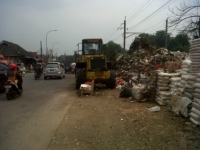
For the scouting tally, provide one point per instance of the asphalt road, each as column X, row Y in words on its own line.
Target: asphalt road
column 30, row 121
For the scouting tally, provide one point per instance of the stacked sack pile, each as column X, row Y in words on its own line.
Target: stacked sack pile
column 195, row 71
column 163, row 95
column 174, row 85
column 178, row 100
column 188, row 88
column 185, row 68
column 152, row 85
column 195, row 111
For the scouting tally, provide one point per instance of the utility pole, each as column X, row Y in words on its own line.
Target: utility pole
column 166, row 33
column 41, row 48
column 124, row 46
column 125, row 34
column 131, row 33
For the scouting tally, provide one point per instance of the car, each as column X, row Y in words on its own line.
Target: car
column 54, row 70
column 3, row 75
column 67, row 69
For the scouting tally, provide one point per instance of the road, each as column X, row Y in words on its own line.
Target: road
column 30, row 121
column 50, row 116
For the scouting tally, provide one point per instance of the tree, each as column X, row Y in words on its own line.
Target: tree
column 160, row 38
column 179, row 43
column 112, row 50
column 150, row 37
column 157, row 39
column 187, row 16
column 67, row 58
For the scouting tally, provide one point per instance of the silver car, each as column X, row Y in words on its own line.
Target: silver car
column 54, row 70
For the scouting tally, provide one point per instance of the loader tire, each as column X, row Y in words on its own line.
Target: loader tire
column 79, row 78
column 111, row 83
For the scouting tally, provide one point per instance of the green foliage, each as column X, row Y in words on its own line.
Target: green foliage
column 112, row 50
column 178, row 43
column 66, row 58
column 160, row 38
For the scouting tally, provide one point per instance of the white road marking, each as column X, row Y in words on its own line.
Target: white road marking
column 39, row 83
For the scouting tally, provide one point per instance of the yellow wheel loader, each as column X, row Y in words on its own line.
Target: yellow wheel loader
column 92, row 64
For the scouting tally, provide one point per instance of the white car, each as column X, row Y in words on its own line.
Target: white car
column 54, row 70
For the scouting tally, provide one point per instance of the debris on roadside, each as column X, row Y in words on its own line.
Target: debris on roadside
column 171, row 78
column 154, row 109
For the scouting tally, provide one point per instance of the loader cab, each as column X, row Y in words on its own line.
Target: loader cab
column 92, row 46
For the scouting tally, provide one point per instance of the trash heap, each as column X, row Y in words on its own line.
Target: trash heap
column 170, row 80
column 144, row 58
column 142, row 63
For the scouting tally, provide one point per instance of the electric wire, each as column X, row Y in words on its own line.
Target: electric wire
column 113, row 32
column 147, row 18
column 152, row 14
column 139, row 12
column 136, row 8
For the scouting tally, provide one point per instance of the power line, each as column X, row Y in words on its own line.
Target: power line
column 110, row 35
column 144, row 20
column 163, row 26
column 140, row 11
column 113, row 32
column 154, row 25
column 136, row 8
column 151, row 15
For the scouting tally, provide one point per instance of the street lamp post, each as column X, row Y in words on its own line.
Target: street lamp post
column 55, row 52
column 46, row 40
column 52, row 48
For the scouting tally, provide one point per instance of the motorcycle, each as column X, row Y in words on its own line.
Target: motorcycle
column 12, row 89
column 37, row 75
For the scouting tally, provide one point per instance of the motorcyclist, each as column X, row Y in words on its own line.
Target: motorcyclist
column 18, row 75
column 38, row 69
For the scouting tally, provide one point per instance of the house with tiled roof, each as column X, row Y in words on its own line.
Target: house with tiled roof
column 16, row 53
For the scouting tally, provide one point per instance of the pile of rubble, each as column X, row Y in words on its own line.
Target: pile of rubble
column 167, row 78
column 145, row 61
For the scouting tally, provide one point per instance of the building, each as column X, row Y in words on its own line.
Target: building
column 14, row 53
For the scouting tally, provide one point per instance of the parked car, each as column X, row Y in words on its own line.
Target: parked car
column 3, row 75
column 54, row 70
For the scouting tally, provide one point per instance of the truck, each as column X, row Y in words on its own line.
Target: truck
column 92, row 64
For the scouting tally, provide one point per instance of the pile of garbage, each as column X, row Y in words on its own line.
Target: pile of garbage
column 146, row 61
column 167, row 78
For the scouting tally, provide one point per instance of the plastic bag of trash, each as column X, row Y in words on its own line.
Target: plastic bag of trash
column 126, row 92
column 184, row 102
column 86, row 87
column 154, row 109
column 139, row 92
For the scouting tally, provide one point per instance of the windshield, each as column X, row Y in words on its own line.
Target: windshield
column 52, row 65
column 91, row 48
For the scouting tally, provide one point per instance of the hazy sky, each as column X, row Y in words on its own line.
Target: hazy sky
column 26, row 22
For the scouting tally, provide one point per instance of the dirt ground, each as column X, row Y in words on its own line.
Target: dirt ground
column 106, row 122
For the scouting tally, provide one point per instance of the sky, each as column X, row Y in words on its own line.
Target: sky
column 31, row 22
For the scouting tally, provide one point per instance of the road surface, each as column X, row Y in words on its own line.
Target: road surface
column 29, row 122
